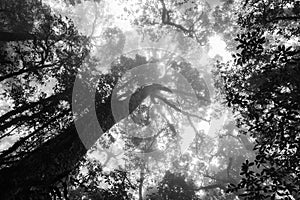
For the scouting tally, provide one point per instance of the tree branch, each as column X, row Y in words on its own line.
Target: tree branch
column 178, row 109
column 288, row 18
column 166, row 19
column 214, row 186
column 22, row 140
column 190, row 94
column 95, row 20
column 22, row 71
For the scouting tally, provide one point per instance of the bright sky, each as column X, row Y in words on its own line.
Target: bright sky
column 216, row 43
column 218, row 47
column 117, row 10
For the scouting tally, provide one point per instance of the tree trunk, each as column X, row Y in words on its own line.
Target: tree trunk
column 54, row 159
column 43, row 167
column 142, row 177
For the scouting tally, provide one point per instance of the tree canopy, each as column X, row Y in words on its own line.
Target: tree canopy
column 92, row 109
column 262, row 88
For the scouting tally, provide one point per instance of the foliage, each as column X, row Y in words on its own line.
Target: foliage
column 262, row 88
column 165, row 132
column 196, row 19
column 174, row 186
column 36, row 82
column 26, row 67
column 41, row 54
column 49, row 151
column 91, row 182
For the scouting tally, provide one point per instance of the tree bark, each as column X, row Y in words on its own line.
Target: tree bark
column 53, row 160
column 43, row 167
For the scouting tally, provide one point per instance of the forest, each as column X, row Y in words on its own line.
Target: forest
column 149, row 99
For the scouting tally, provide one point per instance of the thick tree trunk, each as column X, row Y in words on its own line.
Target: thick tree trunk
column 43, row 167
column 55, row 158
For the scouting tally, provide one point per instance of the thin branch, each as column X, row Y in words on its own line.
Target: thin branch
column 8, row 133
column 166, row 19
column 95, row 20
column 229, row 167
column 189, row 94
column 22, row 140
column 178, row 109
column 131, row 185
column 245, row 141
column 217, row 179
column 192, row 124
column 25, row 107
column 214, row 186
column 142, row 178
column 22, row 71
column 289, row 18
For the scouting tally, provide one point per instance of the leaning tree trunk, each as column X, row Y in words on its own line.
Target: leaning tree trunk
column 43, row 167
column 50, row 162
column 56, row 158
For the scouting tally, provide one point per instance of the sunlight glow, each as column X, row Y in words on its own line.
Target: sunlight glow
column 217, row 46
column 117, row 11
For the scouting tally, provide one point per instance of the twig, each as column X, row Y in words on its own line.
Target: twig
column 178, row 109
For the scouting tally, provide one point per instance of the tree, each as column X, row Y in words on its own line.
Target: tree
column 38, row 108
column 188, row 17
column 229, row 153
column 41, row 118
column 78, row 2
column 174, row 186
column 93, row 20
column 262, row 87
column 49, row 147
column 89, row 181
column 215, row 162
column 163, row 131
column 195, row 19
column 17, row 22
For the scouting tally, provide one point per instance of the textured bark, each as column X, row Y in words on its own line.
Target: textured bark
column 55, row 158
column 43, row 167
